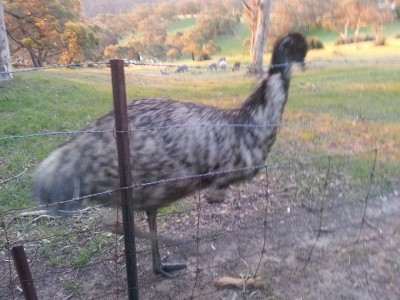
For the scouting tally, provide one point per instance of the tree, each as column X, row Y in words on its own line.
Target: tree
column 346, row 15
column 210, row 48
column 81, row 43
column 193, row 42
column 152, row 30
column 109, row 29
column 343, row 15
column 37, row 27
column 166, row 10
column 212, row 25
column 376, row 18
column 173, row 53
column 188, row 7
column 153, row 36
column 5, row 61
column 141, row 12
column 111, row 51
column 285, row 19
column 257, row 13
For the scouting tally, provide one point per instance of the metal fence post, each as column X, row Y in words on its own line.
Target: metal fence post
column 122, row 135
column 24, row 273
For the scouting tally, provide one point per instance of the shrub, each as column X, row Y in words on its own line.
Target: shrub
column 351, row 40
column 381, row 41
column 204, row 56
column 173, row 53
column 315, row 43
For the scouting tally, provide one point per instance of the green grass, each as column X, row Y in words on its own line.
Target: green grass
column 39, row 103
column 173, row 209
column 232, row 45
column 181, row 24
column 83, row 255
column 73, row 287
column 369, row 91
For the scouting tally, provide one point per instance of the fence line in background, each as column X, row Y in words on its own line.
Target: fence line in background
column 308, row 63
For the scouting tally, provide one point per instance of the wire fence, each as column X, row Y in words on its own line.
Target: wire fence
column 320, row 219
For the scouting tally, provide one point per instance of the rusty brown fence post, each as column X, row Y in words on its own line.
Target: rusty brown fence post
column 24, row 273
column 122, row 136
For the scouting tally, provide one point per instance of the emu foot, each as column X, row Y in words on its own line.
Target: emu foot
column 165, row 269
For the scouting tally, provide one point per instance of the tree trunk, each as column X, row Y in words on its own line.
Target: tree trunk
column 346, row 31
column 36, row 60
column 5, row 61
column 260, row 37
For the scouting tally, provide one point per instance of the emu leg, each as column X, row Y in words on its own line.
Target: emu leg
column 158, row 267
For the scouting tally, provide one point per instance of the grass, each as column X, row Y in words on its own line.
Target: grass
column 83, row 255
column 73, row 287
column 368, row 90
column 180, row 24
column 233, row 45
column 173, row 209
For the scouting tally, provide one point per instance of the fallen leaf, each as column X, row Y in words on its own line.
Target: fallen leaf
column 252, row 282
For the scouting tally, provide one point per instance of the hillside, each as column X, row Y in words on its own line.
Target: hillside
column 93, row 7
column 230, row 44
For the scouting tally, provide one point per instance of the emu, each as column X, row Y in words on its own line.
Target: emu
column 87, row 164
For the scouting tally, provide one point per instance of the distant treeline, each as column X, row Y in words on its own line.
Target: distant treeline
column 91, row 8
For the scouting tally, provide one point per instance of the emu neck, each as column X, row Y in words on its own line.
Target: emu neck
column 280, row 64
column 265, row 106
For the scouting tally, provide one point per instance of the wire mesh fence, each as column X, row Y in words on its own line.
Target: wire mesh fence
column 319, row 221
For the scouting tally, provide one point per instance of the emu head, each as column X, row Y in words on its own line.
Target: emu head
column 292, row 48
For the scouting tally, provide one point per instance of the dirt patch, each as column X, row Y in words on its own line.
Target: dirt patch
column 267, row 226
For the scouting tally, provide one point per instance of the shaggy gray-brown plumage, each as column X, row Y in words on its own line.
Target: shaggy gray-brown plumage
column 87, row 164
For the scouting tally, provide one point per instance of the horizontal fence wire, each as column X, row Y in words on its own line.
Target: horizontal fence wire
column 301, row 160
column 300, row 197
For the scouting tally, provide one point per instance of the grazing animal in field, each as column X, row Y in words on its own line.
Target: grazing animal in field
column 223, row 65
column 212, row 66
column 236, row 66
column 88, row 164
column 182, row 69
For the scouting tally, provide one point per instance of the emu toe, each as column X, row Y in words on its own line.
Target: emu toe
column 165, row 269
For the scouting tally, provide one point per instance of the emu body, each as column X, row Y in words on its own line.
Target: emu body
column 172, row 139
